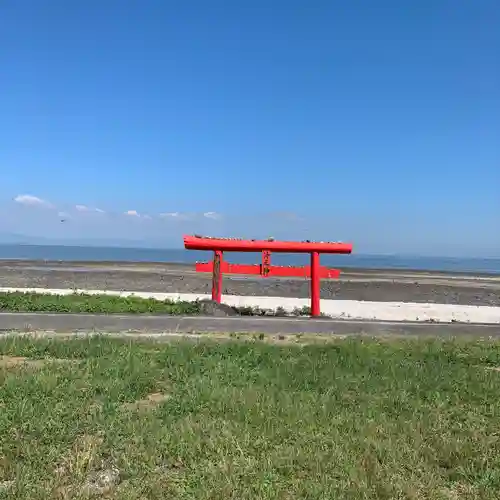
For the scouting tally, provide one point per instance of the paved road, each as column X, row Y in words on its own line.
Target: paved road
column 355, row 284
column 66, row 323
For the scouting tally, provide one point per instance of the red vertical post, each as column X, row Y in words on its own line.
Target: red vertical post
column 217, row 276
column 315, row 285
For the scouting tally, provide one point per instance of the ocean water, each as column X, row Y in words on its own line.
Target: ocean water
column 81, row 253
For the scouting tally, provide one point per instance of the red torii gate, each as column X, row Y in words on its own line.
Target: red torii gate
column 218, row 266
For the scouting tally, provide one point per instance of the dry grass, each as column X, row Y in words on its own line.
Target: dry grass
column 150, row 402
column 11, row 362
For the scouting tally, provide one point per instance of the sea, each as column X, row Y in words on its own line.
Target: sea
column 120, row 254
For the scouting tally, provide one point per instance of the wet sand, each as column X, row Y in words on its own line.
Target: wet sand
column 355, row 284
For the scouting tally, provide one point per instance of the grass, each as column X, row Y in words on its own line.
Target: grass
column 114, row 304
column 86, row 303
column 353, row 419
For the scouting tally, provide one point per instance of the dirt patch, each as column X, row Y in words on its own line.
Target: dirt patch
column 150, row 402
column 20, row 362
column 101, row 482
column 10, row 362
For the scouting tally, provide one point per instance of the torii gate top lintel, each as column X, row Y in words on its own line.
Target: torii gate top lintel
column 242, row 245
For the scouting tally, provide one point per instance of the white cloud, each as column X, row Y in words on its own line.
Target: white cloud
column 212, row 215
column 132, row 213
column 63, row 215
column 179, row 216
column 176, row 216
column 33, row 201
column 170, row 214
column 85, row 208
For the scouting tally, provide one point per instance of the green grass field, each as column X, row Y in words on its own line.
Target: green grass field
column 350, row 419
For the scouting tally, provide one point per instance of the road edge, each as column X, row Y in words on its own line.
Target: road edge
column 65, row 323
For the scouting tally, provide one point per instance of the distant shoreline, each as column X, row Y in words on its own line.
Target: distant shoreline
column 351, row 270
column 58, row 255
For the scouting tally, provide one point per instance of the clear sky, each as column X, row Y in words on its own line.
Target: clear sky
column 371, row 121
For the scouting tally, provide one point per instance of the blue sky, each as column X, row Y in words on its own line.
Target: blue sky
column 375, row 122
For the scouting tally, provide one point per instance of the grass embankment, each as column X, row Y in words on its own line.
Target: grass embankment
column 349, row 420
column 85, row 303
column 113, row 304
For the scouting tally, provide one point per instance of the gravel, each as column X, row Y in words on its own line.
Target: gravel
column 393, row 286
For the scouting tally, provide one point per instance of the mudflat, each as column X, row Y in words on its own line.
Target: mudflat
column 354, row 284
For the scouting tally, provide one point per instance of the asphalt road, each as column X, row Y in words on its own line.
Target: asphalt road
column 355, row 284
column 67, row 323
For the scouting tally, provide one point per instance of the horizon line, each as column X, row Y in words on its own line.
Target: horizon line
column 154, row 247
